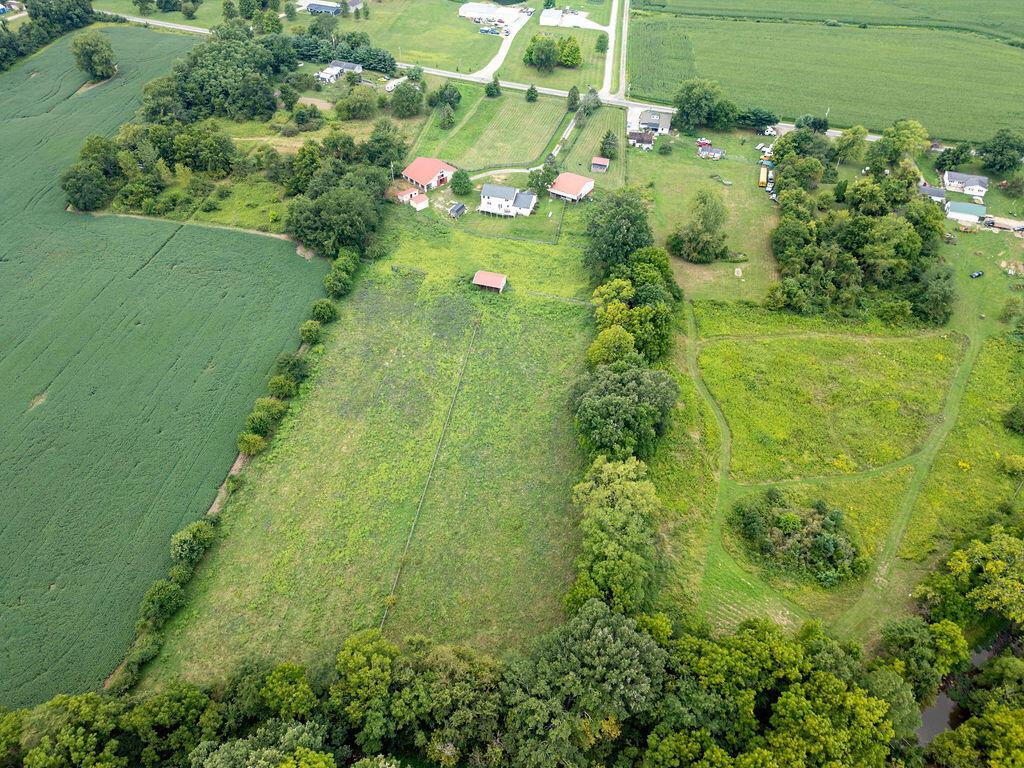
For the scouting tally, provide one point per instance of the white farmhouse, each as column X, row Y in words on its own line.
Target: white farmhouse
column 969, row 184
column 506, row 201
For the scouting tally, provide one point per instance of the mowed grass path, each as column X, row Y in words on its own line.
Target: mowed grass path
column 316, row 536
column 855, row 404
column 130, row 352
column 507, row 130
column 795, row 68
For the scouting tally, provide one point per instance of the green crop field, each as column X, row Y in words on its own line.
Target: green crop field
column 998, row 17
column 591, row 73
column 751, row 215
column 857, row 403
column 782, row 66
column 507, row 130
column 316, row 536
column 586, row 143
column 131, row 351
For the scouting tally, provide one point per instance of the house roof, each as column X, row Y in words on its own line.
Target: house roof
column 456, row 209
column 424, row 170
column 323, row 6
column 571, row 184
column 418, row 198
column 599, row 161
column 489, row 279
column 641, row 137
column 498, row 191
column 967, row 208
column 930, row 191
column 346, row 66
column 524, row 199
column 967, row 179
column 653, row 117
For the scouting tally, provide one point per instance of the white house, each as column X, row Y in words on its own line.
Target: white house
column 336, row 69
column 969, row 184
column 506, row 201
column 641, row 139
column 968, row 213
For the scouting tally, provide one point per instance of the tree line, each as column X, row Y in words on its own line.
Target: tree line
column 48, row 20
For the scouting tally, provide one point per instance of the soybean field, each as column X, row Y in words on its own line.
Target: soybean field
column 130, row 351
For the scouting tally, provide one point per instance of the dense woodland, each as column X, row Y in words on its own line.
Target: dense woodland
column 48, row 20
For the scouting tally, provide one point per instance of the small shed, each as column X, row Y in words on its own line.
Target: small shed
column 599, row 164
column 419, row 201
column 456, row 210
column 490, row 281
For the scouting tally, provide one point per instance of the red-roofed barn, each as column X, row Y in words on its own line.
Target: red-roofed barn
column 428, row 172
column 491, row 281
column 571, row 187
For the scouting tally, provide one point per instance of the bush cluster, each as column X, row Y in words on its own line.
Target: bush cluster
column 800, row 541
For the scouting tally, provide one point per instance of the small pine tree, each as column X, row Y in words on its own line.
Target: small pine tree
column 366, row 11
column 493, row 88
column 531, row 93
column 145, row 6
column 289, row 11
column 610, row 145
column 461, row 183
column 357, row 14
column 601, row 46
column 572, row 102
column 229, row 10
column 446, row 119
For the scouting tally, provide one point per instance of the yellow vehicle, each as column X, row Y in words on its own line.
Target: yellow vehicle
column 763, row 181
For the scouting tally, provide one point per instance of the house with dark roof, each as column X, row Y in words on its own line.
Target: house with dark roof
column 455, row 210
column 331, row 9
column 934, row 193
column 641, row 139
column 655, row 122
column 506, row 201
column 968, row 183
column 336, row 69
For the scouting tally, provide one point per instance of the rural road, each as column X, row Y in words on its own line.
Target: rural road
column 13, row 16
column 609, row 63
column 624, row 35
column 616, row 100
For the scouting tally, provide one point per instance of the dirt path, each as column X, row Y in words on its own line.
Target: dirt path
column 318, row 103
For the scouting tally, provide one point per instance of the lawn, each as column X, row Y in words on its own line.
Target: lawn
column 998, row 17
column 677, row 177
column 492, row 133
column 856, row 403
column 591, row 73
column 918, row 66
column 132, row 352
column 316, row 536
column 586, row 143
column 544, row 225
column 722, row 318
column 209, row 13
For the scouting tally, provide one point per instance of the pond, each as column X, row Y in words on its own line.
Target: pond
column 944, row 714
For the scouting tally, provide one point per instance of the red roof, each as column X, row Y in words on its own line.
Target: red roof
column 489, row 280
column 571, row 184
column 599, row 161
column 423, row 170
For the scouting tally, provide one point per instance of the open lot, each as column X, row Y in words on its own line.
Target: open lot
column 131, row 351
column 505, row 131
column 779, row 66
column 317, row 534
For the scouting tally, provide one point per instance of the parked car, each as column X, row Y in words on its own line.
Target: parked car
column 976, row 275
column 769, row 131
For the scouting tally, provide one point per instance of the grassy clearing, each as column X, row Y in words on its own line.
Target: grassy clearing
column 587, row 144
column 1000, row 17
column 856, row 403
column 132, row 351
column 677, row 177
column 591, row 73
column 209, row 13
column 492, row 133
column 251, row 203
column 720, row 318
column 315, row 536
column 967, row 481
column 918, row 64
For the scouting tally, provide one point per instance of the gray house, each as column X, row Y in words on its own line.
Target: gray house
column 968, row 183
column 506, row 201
column 935, row 193
column 655, row 122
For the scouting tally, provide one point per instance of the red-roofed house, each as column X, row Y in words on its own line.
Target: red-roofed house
column 599, row 164
column 491, row 281
column 428, row 172
column 419, row 201
column 571, row 187
column 401, row 193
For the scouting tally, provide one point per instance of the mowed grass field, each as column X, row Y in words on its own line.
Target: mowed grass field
column 998, row 17
column 316, row 536
column 857, row 402
column 130, row 352
column 507, row 130
column 587, row 144
column 677, row 177
column 591, row 73
column 795, row 68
